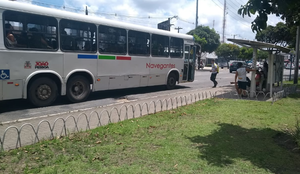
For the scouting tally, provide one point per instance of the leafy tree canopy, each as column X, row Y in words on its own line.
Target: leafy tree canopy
column 262, row 55
column 246, row 53
column 206, row 37
column 228, row 51
column 288, row 10
column 281, row 35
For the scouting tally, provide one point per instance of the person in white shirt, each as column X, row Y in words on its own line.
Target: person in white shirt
column 241, row 75
column 214, row 72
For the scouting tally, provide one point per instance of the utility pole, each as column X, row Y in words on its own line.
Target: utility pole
column 86, row 11
column 169, row 19
column 178, row 29
column 169, row 22
column 291, row 61
column 235, row 35
column 196, row 14
column 296, row 60
column 213, row 24
column 224, row 22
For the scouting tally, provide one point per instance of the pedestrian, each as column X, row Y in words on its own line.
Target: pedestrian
column 214, row 72
column 241, row 75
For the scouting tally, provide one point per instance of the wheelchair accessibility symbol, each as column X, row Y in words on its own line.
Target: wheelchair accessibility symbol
column 4, row 74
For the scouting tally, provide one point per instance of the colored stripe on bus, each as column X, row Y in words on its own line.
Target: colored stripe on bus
column 123, row 58
column 84, row 56
column 107, row 57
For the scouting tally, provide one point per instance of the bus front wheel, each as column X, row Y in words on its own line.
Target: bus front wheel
column 171, row 82
column 42, row 92
column 78, row 89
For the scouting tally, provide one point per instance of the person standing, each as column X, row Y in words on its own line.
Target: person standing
column 241, row 75
column 214, row 72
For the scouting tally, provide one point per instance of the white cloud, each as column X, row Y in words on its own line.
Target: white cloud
column 210, row 13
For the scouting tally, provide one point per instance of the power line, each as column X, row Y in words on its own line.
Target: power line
column 99, row 13
column 241, row 21
column 235, row 14
column 235, row 4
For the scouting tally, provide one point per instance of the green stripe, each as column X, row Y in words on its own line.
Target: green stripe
column 107, row 57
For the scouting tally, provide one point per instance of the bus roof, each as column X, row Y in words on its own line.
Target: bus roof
column 29, row 8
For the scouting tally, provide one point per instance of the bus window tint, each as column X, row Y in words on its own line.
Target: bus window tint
column 30, row 31
column 138, row 43
column 160, row 46
column 112, row 40
column 77, row 36
column 176, row 47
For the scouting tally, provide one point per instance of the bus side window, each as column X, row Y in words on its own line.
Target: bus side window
column 176, row 47
column 77, row 36
column 139, row 43
column 160, row 46
column 32, row 31
column 112, row 40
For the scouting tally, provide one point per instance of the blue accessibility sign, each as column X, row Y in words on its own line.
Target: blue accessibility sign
column 4, row 74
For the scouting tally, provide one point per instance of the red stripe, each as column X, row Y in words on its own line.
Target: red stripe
column 123, row 58
column 10, row 83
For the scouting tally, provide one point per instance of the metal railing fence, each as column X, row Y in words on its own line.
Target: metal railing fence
column 16, row 137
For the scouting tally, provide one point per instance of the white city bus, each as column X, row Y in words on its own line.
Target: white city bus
column 47, row 52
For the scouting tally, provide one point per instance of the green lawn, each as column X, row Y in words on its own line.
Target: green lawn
column 292, row 82
column 210, row 136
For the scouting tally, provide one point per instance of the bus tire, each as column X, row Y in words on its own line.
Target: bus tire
column 42, row 92
column 171, row 82
column 78, row 89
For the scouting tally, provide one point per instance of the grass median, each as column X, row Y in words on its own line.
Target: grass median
column 210, row 136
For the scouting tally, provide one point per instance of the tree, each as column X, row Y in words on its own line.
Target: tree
column 262, row 55
column 280, row 35
column 228, row 51
column 207, row 38
column 288, row 10
column 246, row 53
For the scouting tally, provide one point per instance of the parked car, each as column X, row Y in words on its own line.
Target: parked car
column 233, row 65
column 288, row 66
column 259, row 65
column 223, row 64
column 249, row 64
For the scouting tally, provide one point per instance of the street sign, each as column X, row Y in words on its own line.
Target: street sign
column 165, row 25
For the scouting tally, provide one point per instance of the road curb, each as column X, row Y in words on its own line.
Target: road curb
column 103, row 106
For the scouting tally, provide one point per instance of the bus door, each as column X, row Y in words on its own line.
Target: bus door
column 189, row 63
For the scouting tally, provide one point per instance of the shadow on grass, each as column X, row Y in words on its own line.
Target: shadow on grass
column 264, row 148
column 294, row 96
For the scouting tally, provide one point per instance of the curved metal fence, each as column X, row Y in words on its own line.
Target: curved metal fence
column 15, row 137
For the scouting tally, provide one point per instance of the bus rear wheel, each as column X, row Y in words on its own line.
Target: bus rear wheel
column 171, row 82
column 42, row 92
column 78, row 89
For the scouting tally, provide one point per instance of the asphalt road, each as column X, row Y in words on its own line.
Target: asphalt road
column 21, row 109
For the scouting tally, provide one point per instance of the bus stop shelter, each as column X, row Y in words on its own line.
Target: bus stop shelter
column 272, row 49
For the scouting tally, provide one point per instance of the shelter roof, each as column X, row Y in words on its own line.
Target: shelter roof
column 260, row 45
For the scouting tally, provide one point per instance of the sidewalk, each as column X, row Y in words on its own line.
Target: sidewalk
column 25, row 132
column 209, row 68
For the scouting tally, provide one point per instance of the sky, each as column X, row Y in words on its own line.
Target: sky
column 151, row 12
